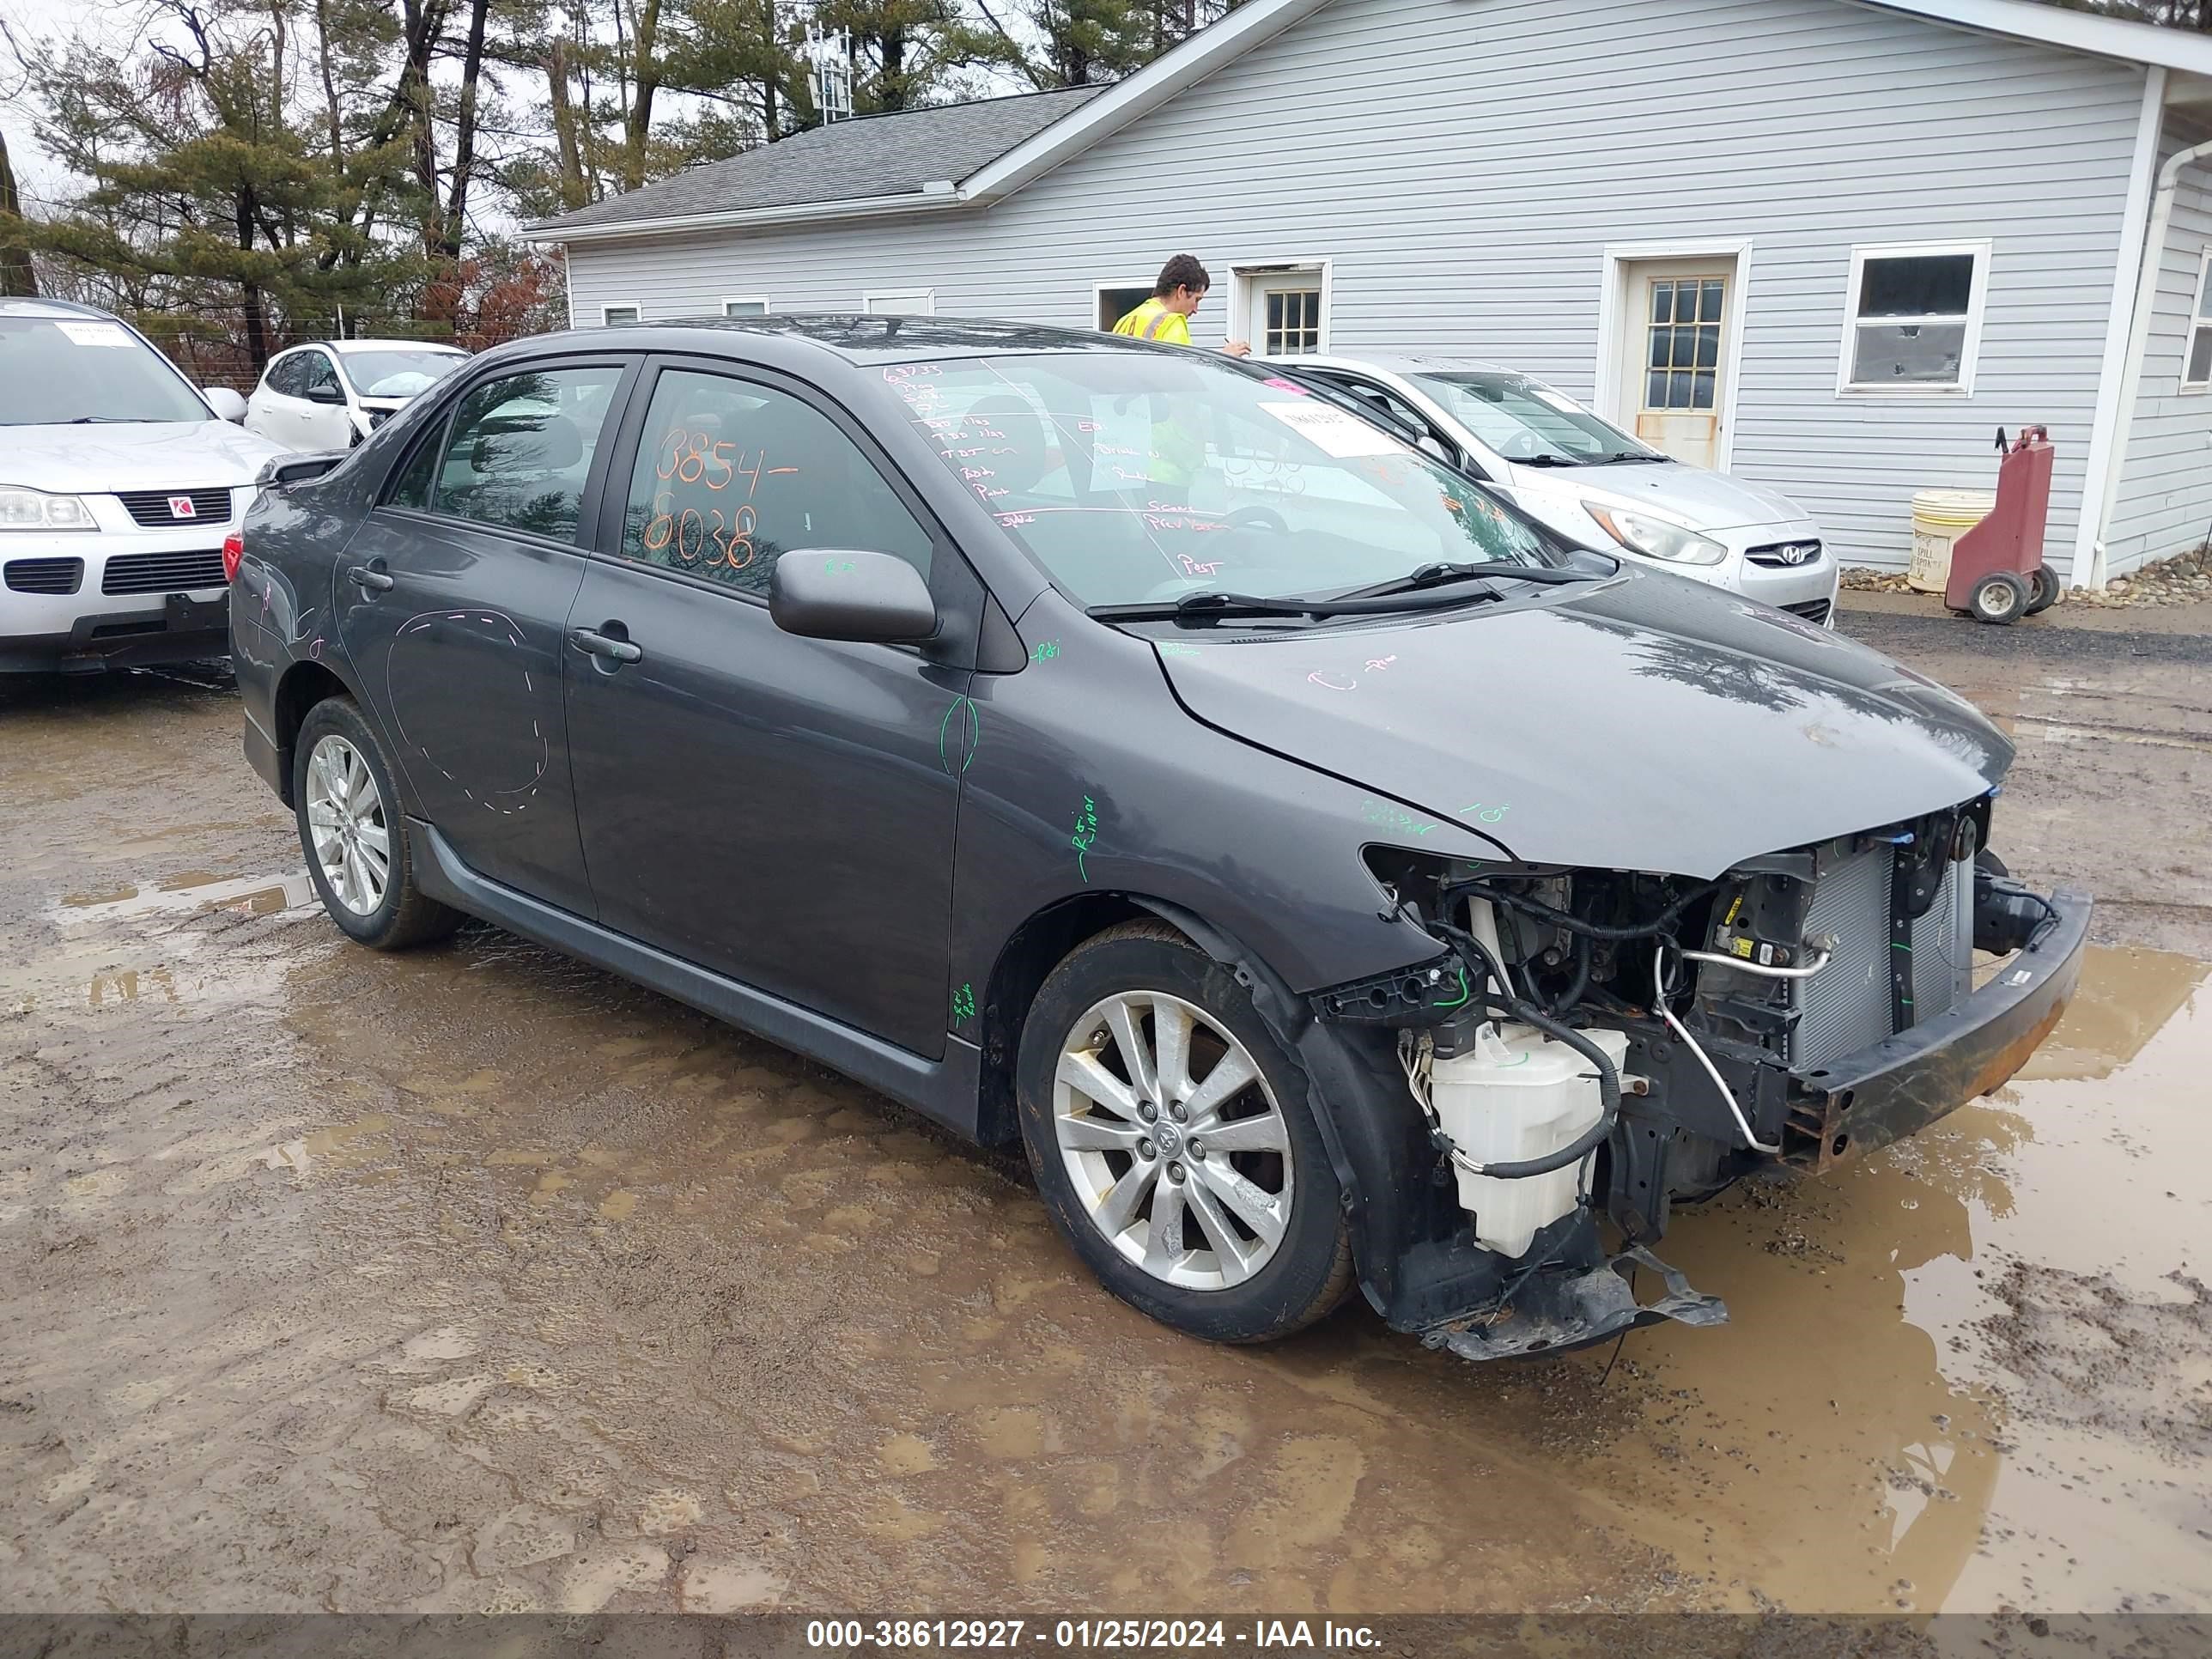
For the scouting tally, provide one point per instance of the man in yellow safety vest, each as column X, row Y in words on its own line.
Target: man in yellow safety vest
column 1166, row 316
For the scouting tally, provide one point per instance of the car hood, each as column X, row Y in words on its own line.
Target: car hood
column 1704, row 500
column 1648, row 723
column 99, row 460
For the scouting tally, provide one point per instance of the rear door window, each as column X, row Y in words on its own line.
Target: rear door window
column 521, row 448
column 730, row 473
column 286, row 377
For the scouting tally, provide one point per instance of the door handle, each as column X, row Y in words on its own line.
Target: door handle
column 368, row 578
column 593, row 643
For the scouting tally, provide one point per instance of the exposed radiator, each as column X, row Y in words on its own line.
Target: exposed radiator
column 1846, row 1007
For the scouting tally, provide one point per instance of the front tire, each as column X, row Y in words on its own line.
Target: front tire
column 1172, row 1142
column 355, row 835
column 2000, row 596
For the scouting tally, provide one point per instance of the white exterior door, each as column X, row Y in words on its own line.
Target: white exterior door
column 1283, row 318
column 1677, row 331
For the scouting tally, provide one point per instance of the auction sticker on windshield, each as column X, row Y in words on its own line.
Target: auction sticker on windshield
column 1335, row 432
column 96, row 334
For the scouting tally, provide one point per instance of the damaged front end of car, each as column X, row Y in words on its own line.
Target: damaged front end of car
column 1589, row 1047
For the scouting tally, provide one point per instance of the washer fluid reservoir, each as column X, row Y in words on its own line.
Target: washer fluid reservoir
column 1517, row 1094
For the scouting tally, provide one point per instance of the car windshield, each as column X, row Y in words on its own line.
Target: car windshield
column 1140, row 477
column 1524, row 420
column 55, row 370
column 397, row 374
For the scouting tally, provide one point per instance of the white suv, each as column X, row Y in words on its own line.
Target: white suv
column 119, row 483
column 334, row 393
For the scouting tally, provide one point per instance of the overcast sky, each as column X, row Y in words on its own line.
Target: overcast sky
column 36, row 20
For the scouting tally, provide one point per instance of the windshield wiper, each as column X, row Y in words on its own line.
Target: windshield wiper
column 1438, row 575
column 101, row 419
column 1201, row 607
column 1631, row 455
column 1385, row 597
column 1545, row 460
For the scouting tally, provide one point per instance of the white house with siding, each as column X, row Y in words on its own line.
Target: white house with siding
column 1918, row 223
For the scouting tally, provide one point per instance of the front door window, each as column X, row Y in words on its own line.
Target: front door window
column 1290, row 318
column 1684, row 342
column 732, row 473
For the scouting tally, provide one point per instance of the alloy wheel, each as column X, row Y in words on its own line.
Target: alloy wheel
column 346, row 821
column 1178, row 1151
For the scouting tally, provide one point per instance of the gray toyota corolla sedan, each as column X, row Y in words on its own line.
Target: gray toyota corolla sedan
column 1330, row 876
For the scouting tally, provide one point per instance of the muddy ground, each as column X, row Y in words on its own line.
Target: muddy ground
column 476, row 1280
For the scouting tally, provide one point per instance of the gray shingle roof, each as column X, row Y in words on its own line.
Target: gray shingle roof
column 874, row 155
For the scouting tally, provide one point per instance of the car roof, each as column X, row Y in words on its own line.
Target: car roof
column 343, row 346
column 31, row 307
column 855, row 339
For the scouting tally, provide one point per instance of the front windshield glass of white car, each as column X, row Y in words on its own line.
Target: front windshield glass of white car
column 397, row 374
column 55, row 371
column 1524, row 421
column 1140, row 477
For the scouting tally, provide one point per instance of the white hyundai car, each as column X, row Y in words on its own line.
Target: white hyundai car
column 332, row 394
column 1593, row 482
column 120, row 483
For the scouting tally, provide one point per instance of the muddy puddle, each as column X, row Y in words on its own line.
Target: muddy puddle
column 1976, row 1369
column 473, row 1279
column 1973, row 1371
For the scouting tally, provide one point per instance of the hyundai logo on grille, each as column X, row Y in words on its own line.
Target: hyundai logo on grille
column 1797, row 552
column 180, row 506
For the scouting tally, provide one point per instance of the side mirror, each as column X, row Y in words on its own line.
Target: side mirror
column 284, row 470
column 324, row 392
column 227, row 405
column 826, row 593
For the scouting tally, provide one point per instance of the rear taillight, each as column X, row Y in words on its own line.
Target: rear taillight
column 233, row 550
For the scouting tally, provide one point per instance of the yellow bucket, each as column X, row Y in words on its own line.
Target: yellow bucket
column 1940, row 517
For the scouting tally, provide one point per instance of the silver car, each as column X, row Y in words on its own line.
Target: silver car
column 1594, row 483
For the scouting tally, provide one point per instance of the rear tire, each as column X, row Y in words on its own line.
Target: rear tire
column 1241, row 1240
column 2043, row 589
column 2000, row 596
column 355, row 834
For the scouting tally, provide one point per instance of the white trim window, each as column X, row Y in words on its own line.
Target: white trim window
column 745, row 305
column 900, row 302
column 620, row 316
column 1913, row 318
column 1111, row 301
column 2196, row 359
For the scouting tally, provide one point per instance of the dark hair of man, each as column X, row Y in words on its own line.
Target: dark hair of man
column 1182, row 271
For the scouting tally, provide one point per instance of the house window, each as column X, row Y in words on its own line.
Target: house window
column 900, row 303
column 619, row 316
column 750, row 308
column 1115, row 301
column 1293, row 322
column 2197, row 367
column 1915, row 318
column 1682, row 342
